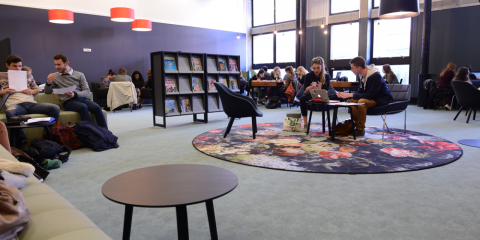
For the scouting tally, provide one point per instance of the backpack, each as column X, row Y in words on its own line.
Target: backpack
column 431, row 93
column 290, row 92
column 94, row 136
column 273, row 103
column 41, row 149
column 64, row 135
column 344, row 128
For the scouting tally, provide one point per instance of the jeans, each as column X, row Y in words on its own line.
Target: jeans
column 83, row 106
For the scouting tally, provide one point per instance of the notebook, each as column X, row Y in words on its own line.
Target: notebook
column 321, row 95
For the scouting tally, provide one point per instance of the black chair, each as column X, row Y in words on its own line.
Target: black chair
column 401, row 80
column 401, row 98
column 99, row 93
column 237, row 106
column 468, row 96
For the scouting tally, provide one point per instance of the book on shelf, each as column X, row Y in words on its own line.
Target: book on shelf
column 224, row 81
column 196, row 64
column 186, row 104
column 197, row 84
column 233, row 84
column 233, row 66
column 170, row 85
column 221, row 66
column 170, row 64
column 169, row 106
column 211, row 86
column 182, row 105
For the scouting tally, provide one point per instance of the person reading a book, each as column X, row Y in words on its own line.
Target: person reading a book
column 316, row 79
column 122, row 76
column 259, row 91
column 373, row 92
column 22, row 102
column 76, row 100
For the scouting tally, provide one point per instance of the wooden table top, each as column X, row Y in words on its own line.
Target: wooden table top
column 169, row 185
column 344, row 84
column 266, row 84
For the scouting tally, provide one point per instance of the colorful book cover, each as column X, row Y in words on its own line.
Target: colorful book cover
column 221, row 66
column 186, row 103
column 233, row 66
column 197, row 84
column 182, row 105
column 233, row 84
column 224, row 81
column 170, row 64
column 170, row 85
column 196, row 64
column 211, row 86
column 169, row 106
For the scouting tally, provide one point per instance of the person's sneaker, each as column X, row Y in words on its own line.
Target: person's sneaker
column 304, row 129
column 448, row 107
column 358, row 133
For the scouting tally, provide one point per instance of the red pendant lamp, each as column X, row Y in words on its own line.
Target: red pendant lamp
column 60, row 16
column 142, row 25
column 121, row 14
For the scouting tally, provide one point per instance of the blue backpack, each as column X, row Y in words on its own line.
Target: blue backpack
column 94, row 136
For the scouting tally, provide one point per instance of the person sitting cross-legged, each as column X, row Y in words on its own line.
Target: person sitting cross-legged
column 373, row 92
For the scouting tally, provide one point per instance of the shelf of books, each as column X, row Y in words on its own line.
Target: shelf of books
column 179, row 81
column 223, row 69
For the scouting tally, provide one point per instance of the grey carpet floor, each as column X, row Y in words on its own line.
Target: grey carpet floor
column 437, row 203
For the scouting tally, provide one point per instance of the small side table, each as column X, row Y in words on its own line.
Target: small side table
column 335, row 111
column 15, row 128
column 324, row 105
column 176, row 185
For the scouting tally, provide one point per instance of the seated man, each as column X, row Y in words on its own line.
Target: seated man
column 122, row 76
column 77, row 100
column 373, row 92
column 20, row 103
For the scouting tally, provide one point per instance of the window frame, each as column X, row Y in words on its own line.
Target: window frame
column 274, row 16
column 274, row 63
column 373, row 5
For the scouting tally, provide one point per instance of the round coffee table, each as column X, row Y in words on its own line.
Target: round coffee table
column 176, row 185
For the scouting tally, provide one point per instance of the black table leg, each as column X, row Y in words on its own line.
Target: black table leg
column 182, row 222
column 309, row 120
column 353, row 123
column 48, row 132
column 127, row 222
column 328, row 119
column 13, row 132
column 211, row 220
column 334, row 123
column 323, row 117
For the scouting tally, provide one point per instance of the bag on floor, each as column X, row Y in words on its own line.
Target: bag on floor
column 273, row 103
column 14, row 214
column 96, row 137
column 344, row 128
column 293, row 122
column 41, row 149
column 64, row 135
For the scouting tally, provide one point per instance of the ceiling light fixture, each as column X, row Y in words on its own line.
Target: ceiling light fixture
column 121, row 14
column 60, row 16
column 142, row 25
column 394, row 9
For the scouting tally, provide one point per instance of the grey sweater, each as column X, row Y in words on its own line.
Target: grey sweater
column 62, row 81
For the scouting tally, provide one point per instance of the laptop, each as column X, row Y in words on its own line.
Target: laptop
column 321, row 95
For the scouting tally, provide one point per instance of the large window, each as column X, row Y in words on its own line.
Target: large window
column 285, row 51
column 344, row 73
column 263, row 12
column 344, row 41
column 263, row 48
column 391, row 38
column 376, row 3
column 402, row 72
column 267, row 12
column 340, row 6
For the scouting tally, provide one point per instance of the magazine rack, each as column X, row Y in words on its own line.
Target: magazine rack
column 223, row 69
column 179, row 85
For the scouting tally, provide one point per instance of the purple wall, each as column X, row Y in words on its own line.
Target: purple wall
column 114, row 45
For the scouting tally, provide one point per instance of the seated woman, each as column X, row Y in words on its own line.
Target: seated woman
column 108, row 79
column 317, row 79
column 443, row 85
column 137, row 80
column 301, row 72
column 463, row 75
column 259, row 91
column 390, row 77
column 276, row 75
column 471, row 75
column 290, row 78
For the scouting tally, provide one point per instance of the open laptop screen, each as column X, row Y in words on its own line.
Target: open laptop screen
column 477, row 74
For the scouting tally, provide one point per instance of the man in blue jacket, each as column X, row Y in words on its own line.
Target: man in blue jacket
column 373, row 92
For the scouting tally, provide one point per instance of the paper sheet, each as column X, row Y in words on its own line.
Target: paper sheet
column 17, row 80
column 64, row 90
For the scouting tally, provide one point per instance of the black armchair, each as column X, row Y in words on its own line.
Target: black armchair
column 468, row 96
column 99, row 93
column 401, row 98
column 237, row 106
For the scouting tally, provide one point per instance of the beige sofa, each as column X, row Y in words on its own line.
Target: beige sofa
column 65, row 116
column 53, row 217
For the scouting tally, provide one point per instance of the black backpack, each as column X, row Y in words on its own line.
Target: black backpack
column 41, row 149
column 96, row 137
column 273, row 103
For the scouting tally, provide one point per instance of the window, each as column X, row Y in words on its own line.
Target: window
column 285, row 10
column 344, row 41
column 402, row 72
column 263, row 12
column 263, row 48
column 286, row 47
column 345, row 73
column 391, row 38
column 376, row 3
column 340, row 6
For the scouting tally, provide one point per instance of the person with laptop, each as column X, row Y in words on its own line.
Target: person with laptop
column 373, row 92
column 316, row 79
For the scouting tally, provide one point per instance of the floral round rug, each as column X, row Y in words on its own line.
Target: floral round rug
column 296, row 151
